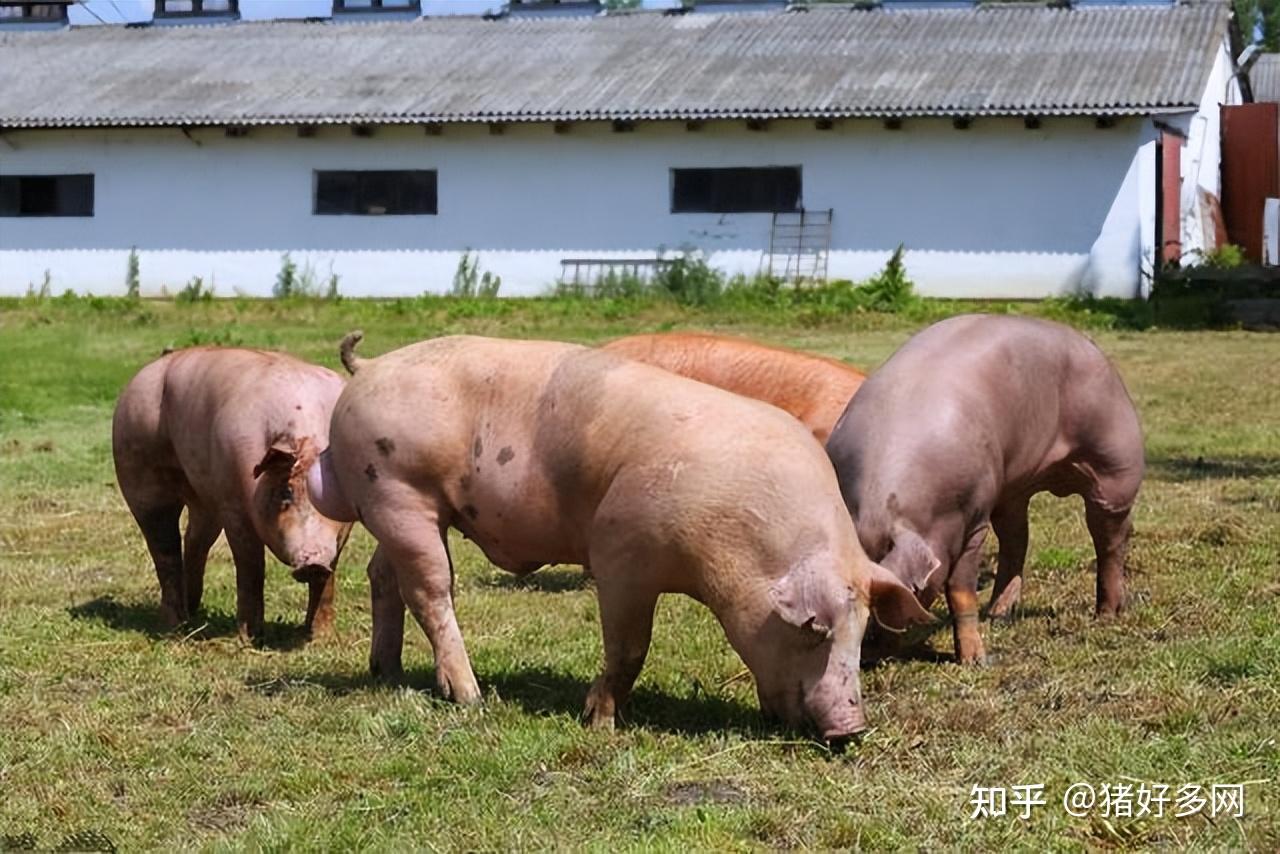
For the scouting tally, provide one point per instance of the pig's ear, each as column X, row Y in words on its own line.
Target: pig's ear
column 808, row 599
column 278, row 456
column 911, row 560
column 893, row 604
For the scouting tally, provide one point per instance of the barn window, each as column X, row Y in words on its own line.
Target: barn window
column 196, row 8
column 736, row 190
column 376, row 5
column 381, row 192
column 46, row 195
column 23, row 12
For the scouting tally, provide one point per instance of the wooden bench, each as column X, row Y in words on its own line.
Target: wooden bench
column 585, row 273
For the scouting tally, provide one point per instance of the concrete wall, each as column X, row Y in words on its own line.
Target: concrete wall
column 993, row 211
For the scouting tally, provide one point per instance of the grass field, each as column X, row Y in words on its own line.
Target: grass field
column 108, row 724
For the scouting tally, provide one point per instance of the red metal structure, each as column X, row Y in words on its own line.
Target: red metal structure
column 1250, row 171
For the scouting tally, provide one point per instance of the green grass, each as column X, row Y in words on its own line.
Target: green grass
column 191, row 740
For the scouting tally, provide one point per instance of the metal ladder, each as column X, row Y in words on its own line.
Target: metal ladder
column 799, row 243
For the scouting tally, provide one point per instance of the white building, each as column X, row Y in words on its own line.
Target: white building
column 1016, row 152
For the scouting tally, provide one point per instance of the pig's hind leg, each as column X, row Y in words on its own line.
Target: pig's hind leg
column 154, row 499
column 1110, row 529
column 388, row 619
column 203, row 529
column 1009, row 522
column 423, row 570
column 1113, row 484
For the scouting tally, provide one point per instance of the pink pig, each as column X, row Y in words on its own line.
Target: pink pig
column 229, row 434
column 543, row 452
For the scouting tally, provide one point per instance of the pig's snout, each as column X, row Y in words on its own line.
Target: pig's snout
column 310, row 572
column 842, row 728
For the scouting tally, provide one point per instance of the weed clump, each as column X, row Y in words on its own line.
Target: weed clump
column 194, row 291
column 294, row 283
column 470, row 283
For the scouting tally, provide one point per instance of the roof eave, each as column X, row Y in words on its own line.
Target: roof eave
column 681, row 115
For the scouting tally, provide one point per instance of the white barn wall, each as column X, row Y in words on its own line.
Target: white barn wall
column 993, row 211
column 1202, row 152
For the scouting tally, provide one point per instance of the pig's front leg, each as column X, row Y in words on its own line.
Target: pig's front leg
column 388, row 619
column 962, row 600
column 248, row 553
column 424, row 573
column 320, row 606
column 626, row 619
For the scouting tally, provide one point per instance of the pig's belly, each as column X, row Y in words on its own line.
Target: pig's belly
column 519, row 529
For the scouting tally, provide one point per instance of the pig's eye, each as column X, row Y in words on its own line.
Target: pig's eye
column 285, row 495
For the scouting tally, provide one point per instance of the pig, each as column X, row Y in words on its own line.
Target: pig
column 542, row 452
column 955, row 433
column 815, row 389
column 229, row 434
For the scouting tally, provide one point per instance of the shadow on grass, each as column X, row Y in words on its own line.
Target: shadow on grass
column 542, row 691
column 564, row 580
column 145, row 619
column 1185, row 469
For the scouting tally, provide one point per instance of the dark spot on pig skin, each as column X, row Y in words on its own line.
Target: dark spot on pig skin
column 470, row 510
column 506, row 455
column 466, row 482
column 371, row 472
column 385, row 446
column 298, row 406
column 478, row 449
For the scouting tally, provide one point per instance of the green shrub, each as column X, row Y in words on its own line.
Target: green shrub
column 194, row 291
column 287, row 279
column 295, row 283
column 890, row 290
column 469, row 282
column 689, row 279
column 1228, row 256
column 132, row 277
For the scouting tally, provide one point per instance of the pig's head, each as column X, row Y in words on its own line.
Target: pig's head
column 807, row 666
column 308, row 542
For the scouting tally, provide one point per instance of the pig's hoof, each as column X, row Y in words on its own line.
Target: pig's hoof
column 599, row 711
column 973, row 658
column 171, row 618
column 390, row 673
column 319, row 629
column 250, row 635
column 464, row 692
column 1107, row 613
column 598, row 720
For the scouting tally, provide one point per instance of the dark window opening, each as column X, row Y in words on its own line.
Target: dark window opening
column 46, row 195
column 736, row 190
column 377, row 5
column 376, row 193
column 21, row 11
column 196, row 8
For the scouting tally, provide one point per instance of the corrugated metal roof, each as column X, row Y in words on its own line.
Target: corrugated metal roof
column 821, row 63
column 1264, row 77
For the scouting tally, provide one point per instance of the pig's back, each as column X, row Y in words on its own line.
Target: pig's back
column 525, row 438
column 223, row 407
column 813, row 388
